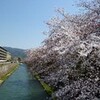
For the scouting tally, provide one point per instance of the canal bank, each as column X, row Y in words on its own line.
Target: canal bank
column 6, row 69
column 22, row 86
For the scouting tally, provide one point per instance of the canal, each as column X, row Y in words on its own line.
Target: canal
column 22, row 86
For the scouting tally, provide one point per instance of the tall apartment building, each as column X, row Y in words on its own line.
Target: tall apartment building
column 3, row 54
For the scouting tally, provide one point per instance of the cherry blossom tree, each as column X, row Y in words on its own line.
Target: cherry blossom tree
column 69, row 60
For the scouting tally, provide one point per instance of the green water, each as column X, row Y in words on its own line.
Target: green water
column 22, row 86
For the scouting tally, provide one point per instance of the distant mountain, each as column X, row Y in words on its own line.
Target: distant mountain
column 16, row 52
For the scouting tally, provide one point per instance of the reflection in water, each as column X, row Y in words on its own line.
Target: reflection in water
column 21, row 86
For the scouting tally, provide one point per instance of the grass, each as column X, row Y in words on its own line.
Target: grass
column 46, row 87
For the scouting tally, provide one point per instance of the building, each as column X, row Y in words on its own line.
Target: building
column 4, row 55
column 8, row 56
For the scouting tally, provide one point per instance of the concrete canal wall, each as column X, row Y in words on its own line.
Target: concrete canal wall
column 6, row 69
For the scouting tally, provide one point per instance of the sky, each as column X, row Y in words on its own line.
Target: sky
column 22, row 22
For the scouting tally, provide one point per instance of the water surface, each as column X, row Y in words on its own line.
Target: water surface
column 22, row 86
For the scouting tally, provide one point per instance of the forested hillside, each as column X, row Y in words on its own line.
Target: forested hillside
column 16, row 52
column 69, row 60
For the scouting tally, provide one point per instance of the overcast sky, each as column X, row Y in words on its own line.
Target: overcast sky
column 22, row 21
